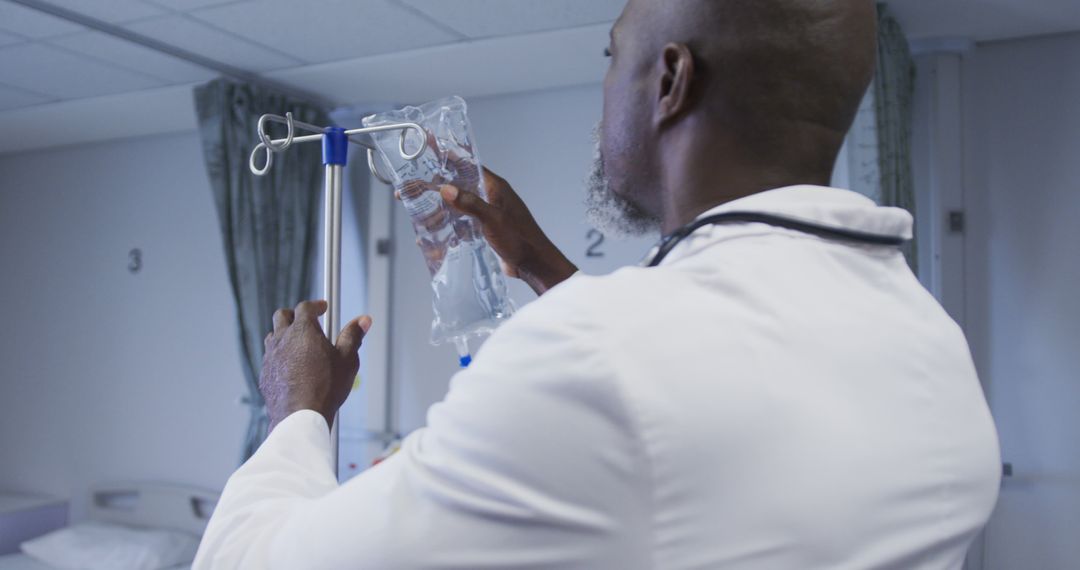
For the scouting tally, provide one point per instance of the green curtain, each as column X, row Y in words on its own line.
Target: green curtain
column 268, row 224
column 894, row 92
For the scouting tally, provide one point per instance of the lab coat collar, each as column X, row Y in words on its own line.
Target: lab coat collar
column 821, row 205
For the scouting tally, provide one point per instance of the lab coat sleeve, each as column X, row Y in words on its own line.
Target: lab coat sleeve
column 532, row 461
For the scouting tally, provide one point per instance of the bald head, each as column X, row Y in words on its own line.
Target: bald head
column 710, row 100
column 767, row 61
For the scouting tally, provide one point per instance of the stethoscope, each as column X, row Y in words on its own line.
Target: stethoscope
column 838, row 234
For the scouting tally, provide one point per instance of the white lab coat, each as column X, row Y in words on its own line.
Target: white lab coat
column 765, row 399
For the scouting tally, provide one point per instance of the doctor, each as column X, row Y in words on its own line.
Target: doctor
column 775, row 394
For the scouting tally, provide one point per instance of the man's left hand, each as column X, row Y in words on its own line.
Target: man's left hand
column 302, row 370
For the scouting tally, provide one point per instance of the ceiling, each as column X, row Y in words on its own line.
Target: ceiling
column 986, row 20
column 45, row 59
column 56, row 73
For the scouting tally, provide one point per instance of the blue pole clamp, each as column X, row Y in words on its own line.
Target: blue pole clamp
column 335, row 146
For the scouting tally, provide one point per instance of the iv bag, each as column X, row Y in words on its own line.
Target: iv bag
column 469, row 294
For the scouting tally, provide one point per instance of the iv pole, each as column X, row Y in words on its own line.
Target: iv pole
column 335, row 142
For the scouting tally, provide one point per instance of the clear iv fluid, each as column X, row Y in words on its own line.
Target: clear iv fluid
column 468, row 289
column 469, row 294
column 430, row 218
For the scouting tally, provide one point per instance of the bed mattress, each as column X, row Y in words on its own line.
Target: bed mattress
column 24, row 562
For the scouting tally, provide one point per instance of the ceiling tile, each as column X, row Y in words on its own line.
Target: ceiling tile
column 112, row 11
column 57, row 73
column 985, row 19
column 7, row 39
column 319, row 31
column 135, row 57
column 486, row 18
column 186, row 5
column 215, row 44
column 31, row 23
column 15, row 98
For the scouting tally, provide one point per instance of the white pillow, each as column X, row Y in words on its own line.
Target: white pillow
column 100, row 546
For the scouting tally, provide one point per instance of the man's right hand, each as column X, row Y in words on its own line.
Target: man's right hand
column 513, row 233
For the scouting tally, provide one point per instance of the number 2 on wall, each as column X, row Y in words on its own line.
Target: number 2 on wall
column 597, row 238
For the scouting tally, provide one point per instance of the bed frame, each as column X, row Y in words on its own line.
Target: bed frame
column 153, row 505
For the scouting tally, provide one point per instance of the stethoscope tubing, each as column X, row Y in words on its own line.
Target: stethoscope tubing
column 826, row 232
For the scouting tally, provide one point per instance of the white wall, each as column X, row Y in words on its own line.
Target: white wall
column 1022, row 284
column 106, row 375
column 938, row 169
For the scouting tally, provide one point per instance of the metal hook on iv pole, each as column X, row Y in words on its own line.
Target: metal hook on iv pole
column 375, row 171
column 272, row 146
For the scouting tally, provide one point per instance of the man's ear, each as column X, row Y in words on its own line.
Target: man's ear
column 676, row 78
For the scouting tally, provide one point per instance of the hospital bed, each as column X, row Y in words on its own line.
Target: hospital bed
column 139, row 505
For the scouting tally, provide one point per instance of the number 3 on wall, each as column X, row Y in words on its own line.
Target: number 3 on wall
column 135, row 262
column 596, row 238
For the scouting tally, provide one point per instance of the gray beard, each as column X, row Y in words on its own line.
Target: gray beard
column 607, row 211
